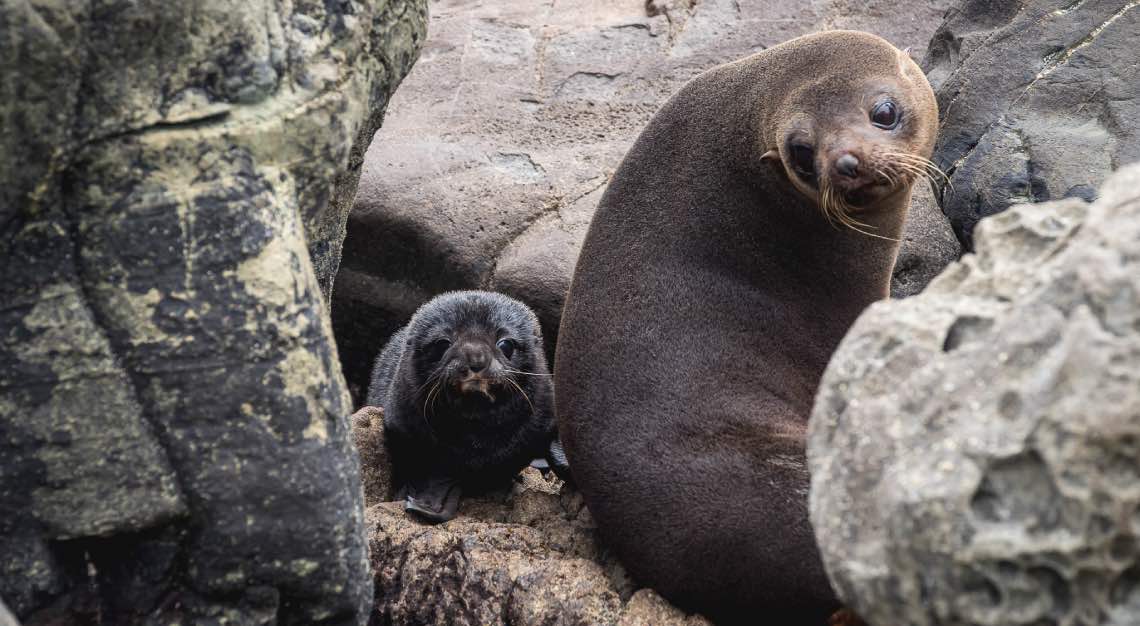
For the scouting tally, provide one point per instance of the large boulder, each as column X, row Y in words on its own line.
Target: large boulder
column 975, row 449
column 1038, row 101
column 501, row 141
column 174, row 181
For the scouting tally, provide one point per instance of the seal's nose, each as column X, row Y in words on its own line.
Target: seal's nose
column 847, row 165
column 476, row 357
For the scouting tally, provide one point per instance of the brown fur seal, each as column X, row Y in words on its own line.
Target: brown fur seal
column 751, row 222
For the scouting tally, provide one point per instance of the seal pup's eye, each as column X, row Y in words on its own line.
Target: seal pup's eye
column 507, row 347
column 885, row 115
column 436, row 349
column 802, row 157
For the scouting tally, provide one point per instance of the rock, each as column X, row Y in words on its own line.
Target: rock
column 975, row 449
column 523, row 558
column 375, row 467
column 646, row 608
column 6, row 617
column 1037, row 99
column 501, row 141
column 928, row 245
column 172, row 415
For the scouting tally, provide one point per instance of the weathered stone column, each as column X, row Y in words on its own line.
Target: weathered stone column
column 174, row 183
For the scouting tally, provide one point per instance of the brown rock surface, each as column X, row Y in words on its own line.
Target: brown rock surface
column 521, row 558
column 499, row 143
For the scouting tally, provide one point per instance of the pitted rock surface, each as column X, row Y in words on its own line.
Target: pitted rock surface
column 526, row 557
column 1038, row 101
column 499, row 144
column 173, row 198
column 975, row 449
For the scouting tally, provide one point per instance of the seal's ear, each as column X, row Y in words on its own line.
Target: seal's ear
column 772, row 156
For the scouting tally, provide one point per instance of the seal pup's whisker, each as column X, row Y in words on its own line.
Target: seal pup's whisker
column 524, row 373
column 432, row 378
column 524, row 395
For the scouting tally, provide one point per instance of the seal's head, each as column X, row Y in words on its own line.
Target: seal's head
column 472, row 349
column 858, row 130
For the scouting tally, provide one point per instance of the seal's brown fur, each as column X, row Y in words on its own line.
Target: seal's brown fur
column 708, row 297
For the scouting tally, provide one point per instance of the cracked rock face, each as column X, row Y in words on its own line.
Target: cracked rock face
column 173, row 184
column 1038, row 100
column 975, row 449
column 499, row 144
column 523, row 558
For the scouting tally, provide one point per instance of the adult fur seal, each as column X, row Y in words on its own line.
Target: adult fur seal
column 467, row 398
column 750, row 223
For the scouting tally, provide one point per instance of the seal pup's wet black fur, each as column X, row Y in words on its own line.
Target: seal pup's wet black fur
column 467, row 399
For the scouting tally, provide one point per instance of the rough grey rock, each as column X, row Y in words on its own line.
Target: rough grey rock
column 1038, row 101
column 928, row 245
column 975, row 449
column 523, row 558
column 375, row 466
column 6, row 617
column 172, row 415
column 498, row 145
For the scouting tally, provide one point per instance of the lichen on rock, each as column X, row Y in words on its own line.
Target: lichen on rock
column 176, row 179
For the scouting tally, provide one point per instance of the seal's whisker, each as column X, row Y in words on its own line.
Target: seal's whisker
column 914, row 170
column 430, row 379
column 861, row 231
column 511, row 371
column 925, row 164
column 520, row 390
column 426, row 409
column 885, row 175
column 429, row 400
column 828, row 203
column 835, row 206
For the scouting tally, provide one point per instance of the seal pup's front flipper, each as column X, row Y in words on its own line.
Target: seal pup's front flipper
column 556, row 458
column 433, row 499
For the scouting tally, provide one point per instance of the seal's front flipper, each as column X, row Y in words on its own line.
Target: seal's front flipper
column 433, row 499
column 556, row 458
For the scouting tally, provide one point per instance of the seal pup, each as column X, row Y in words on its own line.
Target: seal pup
column 751, row 222
column 468, row 399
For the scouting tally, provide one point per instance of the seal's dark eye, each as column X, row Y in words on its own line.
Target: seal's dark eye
column 802, row 157
column 885, row 115
column 507, row 347
column 436, row 349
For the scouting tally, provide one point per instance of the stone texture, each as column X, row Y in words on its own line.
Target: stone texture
column 928, row 245
column 500, row 142
column 375, row 466
column 975, row 449
column 1038, row 101
column 523, row 558
column 6, row 617
column 173, row 179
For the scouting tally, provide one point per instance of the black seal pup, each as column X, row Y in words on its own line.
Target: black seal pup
column 751, row 222
column 467, row 399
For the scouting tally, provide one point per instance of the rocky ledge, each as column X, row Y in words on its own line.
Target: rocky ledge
column 526, row 556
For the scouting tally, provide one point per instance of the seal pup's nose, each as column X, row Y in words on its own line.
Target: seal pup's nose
column 475, row 357
column 847, row 165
